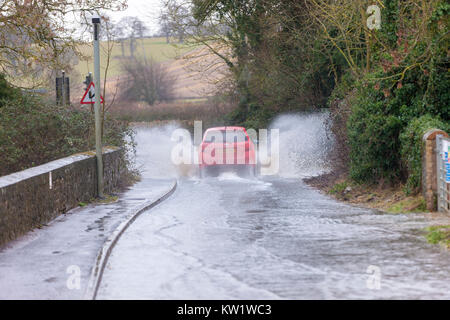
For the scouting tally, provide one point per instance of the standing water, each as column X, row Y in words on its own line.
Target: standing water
column 270, row 238
column 304, row 146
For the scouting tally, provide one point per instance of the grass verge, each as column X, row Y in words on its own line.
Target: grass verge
column 106, row 200
column 439, row 235
column 391, row 199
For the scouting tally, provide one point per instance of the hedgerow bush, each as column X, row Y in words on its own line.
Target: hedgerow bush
column 386, row 126
column 373, row 139
column 6, row 91
column 250, row 115
column 33, row 132
column 412, row 148
column 388, row 117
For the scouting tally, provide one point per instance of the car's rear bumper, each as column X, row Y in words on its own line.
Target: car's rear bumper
column 226, row 166
column 215, row 170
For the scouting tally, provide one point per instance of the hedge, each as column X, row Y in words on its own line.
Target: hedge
column 412, row 147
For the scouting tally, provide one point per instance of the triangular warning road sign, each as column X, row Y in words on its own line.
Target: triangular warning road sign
column 89, row 95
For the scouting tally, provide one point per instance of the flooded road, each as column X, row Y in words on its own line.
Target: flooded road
column 227, row 238
column 269, row 238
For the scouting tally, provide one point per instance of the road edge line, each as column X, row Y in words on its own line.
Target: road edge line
column 106, row 250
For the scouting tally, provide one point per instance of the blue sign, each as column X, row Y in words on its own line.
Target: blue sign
column 447, row 167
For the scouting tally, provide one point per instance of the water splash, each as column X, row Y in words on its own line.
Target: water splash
column 304, row 144
column 153, row 157
column 303, row 150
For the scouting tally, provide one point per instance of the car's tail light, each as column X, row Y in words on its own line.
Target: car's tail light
column 204, row 145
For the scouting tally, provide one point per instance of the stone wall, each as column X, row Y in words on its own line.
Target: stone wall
column 33, row 197
column 429, row 170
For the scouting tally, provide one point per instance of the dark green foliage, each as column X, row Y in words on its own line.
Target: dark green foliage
column 412, row 147
column 380, row 115
column 373, row 139
column 250, row 116
column 6, row 91
column 389, row 117
column 384, row 87
column 390, row 19
column 280, row 64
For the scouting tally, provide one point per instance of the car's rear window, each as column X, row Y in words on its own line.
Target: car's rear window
column 229, row 136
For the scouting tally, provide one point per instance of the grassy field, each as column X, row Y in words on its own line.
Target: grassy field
column 193, row 80
column 156, row 48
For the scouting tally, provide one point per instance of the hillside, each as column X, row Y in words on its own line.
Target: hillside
column 190, row 80
column 155, row 48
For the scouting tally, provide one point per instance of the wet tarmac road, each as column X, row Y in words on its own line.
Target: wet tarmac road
column 232, row 238
column 272, row 238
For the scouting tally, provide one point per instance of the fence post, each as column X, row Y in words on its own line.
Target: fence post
column 440, row 190
column 430, row 167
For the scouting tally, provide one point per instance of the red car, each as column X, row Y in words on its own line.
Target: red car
column 227, row 148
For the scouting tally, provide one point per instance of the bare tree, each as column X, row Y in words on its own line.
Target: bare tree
column 140, row 29
column 120, row 35
column 34, row 35
column 212, row 57
column 176, row 20
column 146, row 81
column 164, row 26
column 130, row 28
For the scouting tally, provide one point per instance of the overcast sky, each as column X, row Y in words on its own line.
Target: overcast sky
column 147, row 10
